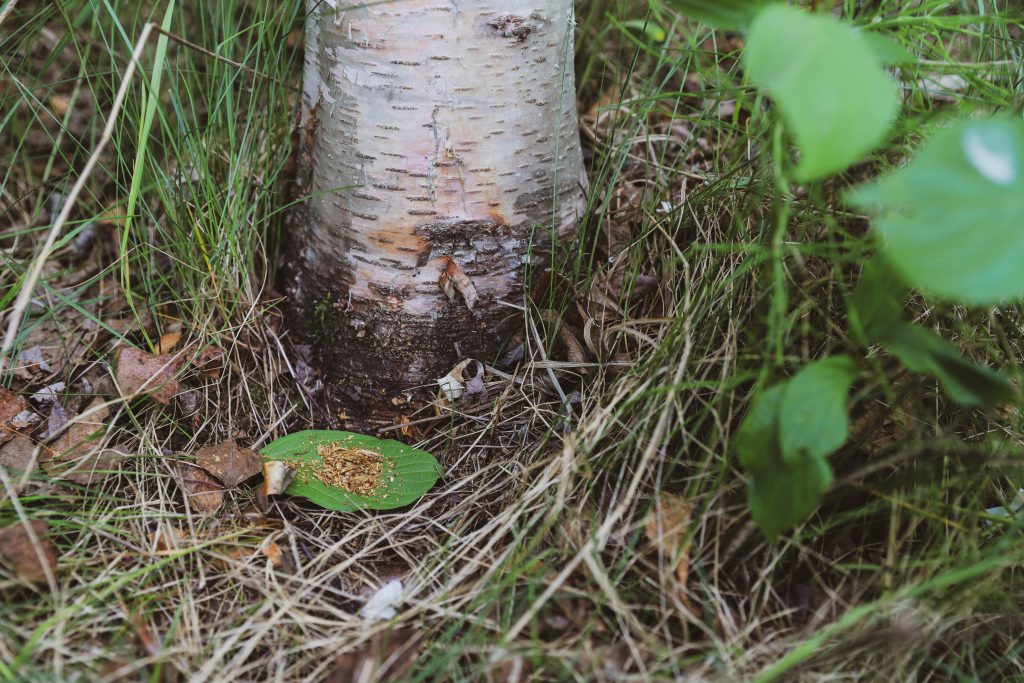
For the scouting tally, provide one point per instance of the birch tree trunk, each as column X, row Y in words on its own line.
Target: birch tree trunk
column 441, row 150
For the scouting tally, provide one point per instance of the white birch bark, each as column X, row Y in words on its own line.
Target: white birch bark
column 440, row 145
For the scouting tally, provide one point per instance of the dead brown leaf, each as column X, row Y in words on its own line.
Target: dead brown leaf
column 141, row 372
column 666, row 527
column 204, row 492
column 19, row 454
column 387, row 656
column 229, row 462
column 12, row 406
column 276, row 478
column 168, row 342
column 28, row 559
column 272, row 551
column 407, row 430
column 209, row 362
column 78, row 454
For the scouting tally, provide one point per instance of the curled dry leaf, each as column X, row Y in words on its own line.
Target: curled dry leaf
column 168, row 342
column 454, row 383
column 407, row 429
column 209, row 362
column 78, row 455
column 141, row 372
column 204, row 492
column 666, row 528
column 32, row 363
column 229, row 462
column 12, row 406
column 454, row 280
column 276, row 478
column 20, row 454
column 29, row 559
column 272, row 551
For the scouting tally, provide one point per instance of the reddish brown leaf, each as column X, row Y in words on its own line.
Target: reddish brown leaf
column 229, row 462
column 209, row 362
column 141, row 372
column 19, row 454
column 29, row 560
column 78, row 455
column 168, row 342
column 12, row 406
column 204, row 492
column 666, row 527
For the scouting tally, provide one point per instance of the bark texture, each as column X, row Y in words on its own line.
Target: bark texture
column 440, row 145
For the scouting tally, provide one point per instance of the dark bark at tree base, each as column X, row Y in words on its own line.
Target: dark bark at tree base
column 440, row 152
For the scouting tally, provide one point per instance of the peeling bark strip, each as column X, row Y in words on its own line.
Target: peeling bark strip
column 441, row 150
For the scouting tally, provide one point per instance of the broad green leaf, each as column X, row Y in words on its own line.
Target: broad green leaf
column 812, row 416
column 415, row 471
column 966, row 382
column 835, row 98
column 757, row 439
column 727, row 14
column 877, row 304
column 887, row 49
column 783, row 496
column 952, row 220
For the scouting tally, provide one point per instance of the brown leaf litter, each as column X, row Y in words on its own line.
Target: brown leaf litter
column 666, row 528
column 29, row 558
column 141, row 372
column 229, row 462
column 13, row 409
column 78, row 455
column 204, row 492
column 20, row 454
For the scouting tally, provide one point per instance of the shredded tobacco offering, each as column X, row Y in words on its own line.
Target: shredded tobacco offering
column 357, row 470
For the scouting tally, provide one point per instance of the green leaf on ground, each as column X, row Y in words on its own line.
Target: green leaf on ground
column 812, row 416
column 727, row 14
column 966, row 382
column 757, row 439
column 828, row 82
column 783, row 496
column 407, row 474
column 951, row 220
column 887, row 49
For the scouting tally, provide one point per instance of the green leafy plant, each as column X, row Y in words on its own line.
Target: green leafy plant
column 727, row 14
column 790, row 430
column 828, row 83
column 406, row 473
column 948, row 223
